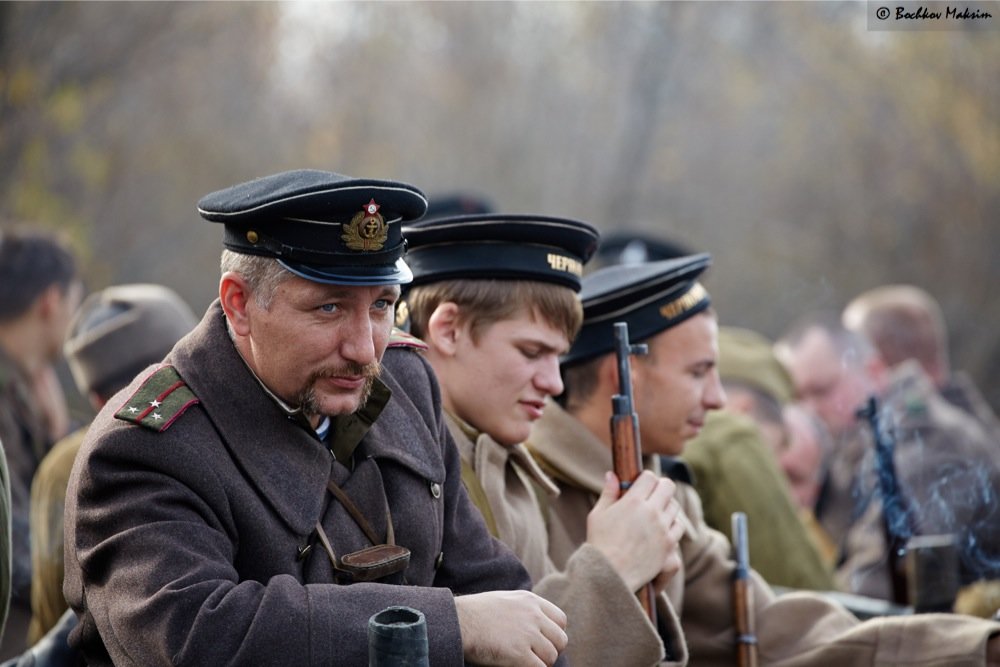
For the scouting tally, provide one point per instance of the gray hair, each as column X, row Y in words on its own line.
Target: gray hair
column 263, row 274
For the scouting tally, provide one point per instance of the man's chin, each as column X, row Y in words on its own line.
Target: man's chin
column 332, row 406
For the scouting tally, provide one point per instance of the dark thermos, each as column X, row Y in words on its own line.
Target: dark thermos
column 397, row 637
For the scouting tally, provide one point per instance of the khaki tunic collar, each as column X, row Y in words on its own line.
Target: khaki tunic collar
column 585, row 466
column 510, row 480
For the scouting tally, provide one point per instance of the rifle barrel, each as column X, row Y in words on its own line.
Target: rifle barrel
column 626, row 449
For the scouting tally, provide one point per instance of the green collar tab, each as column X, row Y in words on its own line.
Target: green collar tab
column 347, row 431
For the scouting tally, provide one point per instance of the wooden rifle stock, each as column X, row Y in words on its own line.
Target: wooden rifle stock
column 626, row 449
column 746, row 638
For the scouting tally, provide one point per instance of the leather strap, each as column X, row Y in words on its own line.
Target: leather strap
column 358, row 517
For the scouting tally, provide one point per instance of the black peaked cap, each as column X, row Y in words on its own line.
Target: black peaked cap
column 323, row 226
column 650, row 298
column 504, row 247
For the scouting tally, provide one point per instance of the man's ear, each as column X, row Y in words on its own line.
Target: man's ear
column 235, row 296
column 607, row 374
column 48, row 302
column 444, row 328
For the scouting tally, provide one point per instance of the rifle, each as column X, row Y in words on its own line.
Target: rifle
column 746, row 639
column 895, row 511
column 397, row 637
column 626, row 450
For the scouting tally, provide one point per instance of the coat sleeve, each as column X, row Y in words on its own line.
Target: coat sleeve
column 150, row 559
column 598, row 605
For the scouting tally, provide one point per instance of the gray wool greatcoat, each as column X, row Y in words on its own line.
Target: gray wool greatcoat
column 182, row 544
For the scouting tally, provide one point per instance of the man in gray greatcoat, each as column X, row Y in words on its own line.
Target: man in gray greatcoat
column 268, row 488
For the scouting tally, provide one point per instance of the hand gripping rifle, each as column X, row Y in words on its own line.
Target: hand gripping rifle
column 895, row 513
column 626, row 450
column 746, row 639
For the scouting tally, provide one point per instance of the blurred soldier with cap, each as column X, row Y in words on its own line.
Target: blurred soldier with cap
column 115, row 334
column 39, row 290
column 450, row 204
column 735, row 464
column 675, row 385
column 631, row 247
column 494, row 297
column 260, row 495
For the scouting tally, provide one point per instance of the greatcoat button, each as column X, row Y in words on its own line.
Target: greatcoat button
column 435, row 489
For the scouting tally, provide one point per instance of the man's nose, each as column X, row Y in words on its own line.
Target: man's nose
column 359, row 342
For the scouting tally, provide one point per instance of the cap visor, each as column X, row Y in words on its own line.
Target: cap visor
column 397, row 274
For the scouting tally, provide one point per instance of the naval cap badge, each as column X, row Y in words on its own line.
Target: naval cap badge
column 367, row 230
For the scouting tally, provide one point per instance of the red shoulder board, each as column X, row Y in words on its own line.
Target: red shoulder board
column 399, row 338
column 159, row 401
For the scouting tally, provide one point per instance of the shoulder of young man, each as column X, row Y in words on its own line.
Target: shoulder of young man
column 402, row 339
column 160, row 399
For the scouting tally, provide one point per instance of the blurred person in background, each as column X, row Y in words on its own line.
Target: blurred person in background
column 735, row 466
column 448, row 204
column 115, row 334
column 802, row 461
column 947, row 474
column 39, row 292
column 633, row 247
column 905, row 322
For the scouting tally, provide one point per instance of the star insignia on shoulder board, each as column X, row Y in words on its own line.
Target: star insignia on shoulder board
column 159, row 401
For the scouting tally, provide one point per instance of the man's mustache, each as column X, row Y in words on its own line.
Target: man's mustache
column 350, row 369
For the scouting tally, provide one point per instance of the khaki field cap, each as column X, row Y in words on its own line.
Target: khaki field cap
column 746, row 356
column 124, row 327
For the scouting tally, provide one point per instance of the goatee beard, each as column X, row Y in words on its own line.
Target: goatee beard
column 307, row 397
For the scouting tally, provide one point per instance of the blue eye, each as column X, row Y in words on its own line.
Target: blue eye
column 328, row 307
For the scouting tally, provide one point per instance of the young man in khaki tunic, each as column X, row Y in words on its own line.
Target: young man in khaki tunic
column 675, row 385
column 494, row 297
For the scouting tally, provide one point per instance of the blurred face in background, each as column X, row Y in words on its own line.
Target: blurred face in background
column 802, row 459
column 57, row 306
column 833, row 385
